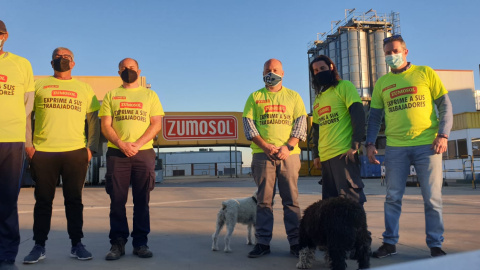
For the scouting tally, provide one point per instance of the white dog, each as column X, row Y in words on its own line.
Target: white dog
column 235, row 211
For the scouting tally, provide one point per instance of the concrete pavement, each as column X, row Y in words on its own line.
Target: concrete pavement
column 183, row 213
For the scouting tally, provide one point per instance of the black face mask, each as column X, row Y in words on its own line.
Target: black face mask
column 129, row 76
column 61, row 64
column 324, row 78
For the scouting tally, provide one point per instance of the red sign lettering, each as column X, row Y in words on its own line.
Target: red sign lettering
column 221, row 127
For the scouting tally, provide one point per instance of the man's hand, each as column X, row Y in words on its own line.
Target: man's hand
column 283, row 153
column 89, row 153
column 271, row 150
column 316, row 163
column 371, row 152
column 30, row 152
column 439, row 145
column 349, row 155
column 128, row 148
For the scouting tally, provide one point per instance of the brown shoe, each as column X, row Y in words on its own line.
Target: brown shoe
column 142, row 252
column 117, row 250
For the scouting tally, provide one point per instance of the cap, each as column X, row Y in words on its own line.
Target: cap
column 3, row 28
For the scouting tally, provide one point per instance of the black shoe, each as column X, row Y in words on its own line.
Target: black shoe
column 117, row 250
column 437, row 251
column 259, row 250
column 142, row 252
column 385, row 250
column 295, row 250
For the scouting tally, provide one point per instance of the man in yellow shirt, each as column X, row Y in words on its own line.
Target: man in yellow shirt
column 274, row 119
column 415, row 135
column 16, row 101
column 131, row 118
column 60, row 149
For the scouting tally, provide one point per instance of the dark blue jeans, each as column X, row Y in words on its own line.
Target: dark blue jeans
column 11, row 168
column 123, row 171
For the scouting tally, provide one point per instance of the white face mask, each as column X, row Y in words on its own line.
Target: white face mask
column 394, row 60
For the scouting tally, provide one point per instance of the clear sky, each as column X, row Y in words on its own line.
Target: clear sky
column 208, row 55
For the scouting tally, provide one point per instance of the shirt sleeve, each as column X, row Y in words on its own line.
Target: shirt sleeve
column 299, row 129
column 249, row 128
column 106, row 109
column 156, row 108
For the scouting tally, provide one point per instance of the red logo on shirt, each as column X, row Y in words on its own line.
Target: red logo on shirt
column 324, row 110
column 120, row 97
column 262, row 101
column 134, row 105
column 3, row 78
column 316, row 106
column 275, row 108
column 50, row 86
column 403, row 91
column 64, row 93
column 389, row 87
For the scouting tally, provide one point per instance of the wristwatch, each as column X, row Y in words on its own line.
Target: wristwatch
column 289, row 147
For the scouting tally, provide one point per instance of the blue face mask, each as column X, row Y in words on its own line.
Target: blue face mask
column 394, row 60
column 272, row 79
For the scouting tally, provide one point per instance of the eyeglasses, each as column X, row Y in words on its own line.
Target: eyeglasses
column 392, row 38
column 63, row 56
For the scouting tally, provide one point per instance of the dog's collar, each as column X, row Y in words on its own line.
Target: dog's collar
column 254, row 199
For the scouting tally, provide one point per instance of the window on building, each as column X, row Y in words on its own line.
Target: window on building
column 476, row 147
column 452, row 149
column 462, row 148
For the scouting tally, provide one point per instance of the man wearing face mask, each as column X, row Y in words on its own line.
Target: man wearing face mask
column 338, row 112
column 131, row 118
column 274, row 119
column 61, row 149
column 408, row 96
column 16, row 102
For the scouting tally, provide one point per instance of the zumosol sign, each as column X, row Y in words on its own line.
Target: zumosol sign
column 202, row 127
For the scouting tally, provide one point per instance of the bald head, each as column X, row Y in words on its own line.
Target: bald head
column 127, row 61
column 273, row 65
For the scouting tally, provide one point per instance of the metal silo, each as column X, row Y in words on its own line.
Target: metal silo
column 356, row 47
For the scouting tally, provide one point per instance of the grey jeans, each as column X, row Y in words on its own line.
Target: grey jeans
column 266, row 174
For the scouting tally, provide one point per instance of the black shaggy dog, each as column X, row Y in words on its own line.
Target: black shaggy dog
column 336, row 226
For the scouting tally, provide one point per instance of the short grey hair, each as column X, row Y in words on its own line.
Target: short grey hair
column 61, row 48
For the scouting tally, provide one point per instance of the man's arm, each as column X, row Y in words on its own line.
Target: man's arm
column 299, row 132
column 29, row 99
column 112, row 137
column 445, row 113
column 151, row 132
column 357, row 119
column 93, row 126
column 373, row 127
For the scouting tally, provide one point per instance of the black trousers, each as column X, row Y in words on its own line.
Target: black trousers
column 123, row 171
column 47, row 168
column 12, row 155
column 341, row 179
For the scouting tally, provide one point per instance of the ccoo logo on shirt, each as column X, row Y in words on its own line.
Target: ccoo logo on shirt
column 3, row 78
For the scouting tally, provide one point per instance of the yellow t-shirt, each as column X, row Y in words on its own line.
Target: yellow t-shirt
column 131, row 110
column 408, row 101
column 16, row 79
column 330, row 112
column 274, row 114
column 60, row 110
